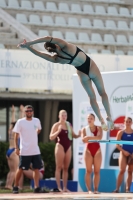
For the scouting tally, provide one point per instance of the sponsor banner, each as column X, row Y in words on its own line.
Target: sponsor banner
column 108, row 63
column 119, row 88
column 21, row 69
column 112, row 153
column 24, row 70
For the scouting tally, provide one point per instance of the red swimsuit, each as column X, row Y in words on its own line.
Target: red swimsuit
column 64, row 140
column 93, row 147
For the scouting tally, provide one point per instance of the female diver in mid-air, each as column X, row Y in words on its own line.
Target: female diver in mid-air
column 87, row 70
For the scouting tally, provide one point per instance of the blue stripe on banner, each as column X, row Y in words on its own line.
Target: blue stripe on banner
column 6, row 75
column 113, row 141
column 130, row 68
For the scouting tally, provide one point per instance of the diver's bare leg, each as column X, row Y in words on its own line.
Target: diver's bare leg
column 87, row 84
column 98, row 81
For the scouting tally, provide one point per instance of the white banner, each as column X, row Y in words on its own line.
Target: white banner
column 108, row 63
column 21, row 69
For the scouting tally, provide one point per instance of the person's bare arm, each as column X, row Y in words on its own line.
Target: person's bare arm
column 83, row 135
column 13, row 114
column 16, row 136
column 58, row 41
column 13, row 119
column 100, row 132
column 98, row 137
column 118, row 137
column 55, row 131
column 51, row 58
column 21, row 111
column 38, row 131
column 75, row 135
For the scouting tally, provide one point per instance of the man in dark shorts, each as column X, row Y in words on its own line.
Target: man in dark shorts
column 28, row 129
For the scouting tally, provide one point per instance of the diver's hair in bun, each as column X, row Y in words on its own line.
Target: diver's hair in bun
column 49, row 44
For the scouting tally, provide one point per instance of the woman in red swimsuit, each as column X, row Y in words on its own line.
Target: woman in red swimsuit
column 63, row 132
column 92, row 154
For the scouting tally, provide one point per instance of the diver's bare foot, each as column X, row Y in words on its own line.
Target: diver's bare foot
column 90, row 192
column 103, row 125
column 110, row 123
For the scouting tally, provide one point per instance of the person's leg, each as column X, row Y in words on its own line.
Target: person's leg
column 129, row 178
column 24, row 164
column 17, row 177
column 66, row 164
column 20, row 186
column 59, row 159
column 97, row 166
column 37, row 164
column 13, row 161
column 122, row 166
column 7, row 185
column 87, row 84
column 96, row 77
column 40, row 176
column 36, row 178
column 8, row 179
column 21, row 181
column 28, row 173
column 88, row 163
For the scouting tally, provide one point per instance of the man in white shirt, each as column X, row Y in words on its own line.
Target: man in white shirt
column 28, row 129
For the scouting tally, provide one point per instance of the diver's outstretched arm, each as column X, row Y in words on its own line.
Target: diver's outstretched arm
column 43, row 55
column 58, row 41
